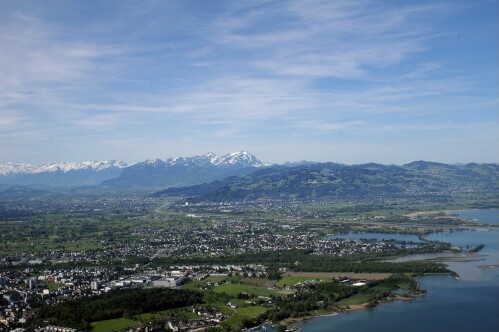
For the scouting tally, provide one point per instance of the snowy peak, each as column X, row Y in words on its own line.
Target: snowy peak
column 152, row 162
column 184, row 171
column 240, row 159
column 235, row 160
column 85, row 165
column 11, row 169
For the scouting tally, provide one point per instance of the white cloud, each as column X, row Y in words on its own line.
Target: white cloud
column 252, row 71
column 326, row 39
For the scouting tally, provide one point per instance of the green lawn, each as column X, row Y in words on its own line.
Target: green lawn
column 244, row 313
column 116, row 324
column 239, row 302
column 193, row 284
column 234, row 289
column 235, row 320
column 253, row 311
column 354, row 300
column 181, row 313
column 224, row 309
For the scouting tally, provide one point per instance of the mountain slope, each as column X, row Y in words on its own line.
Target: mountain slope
column 17, row 192
column 343, row 181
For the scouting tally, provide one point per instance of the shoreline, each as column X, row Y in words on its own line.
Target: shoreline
column 447, row 213
column 451, row 213
column 458, row 257
column 288, row 322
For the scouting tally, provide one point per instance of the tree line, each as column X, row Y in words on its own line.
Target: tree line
column 79, row 313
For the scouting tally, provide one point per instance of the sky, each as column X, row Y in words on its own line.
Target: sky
column 343, row 81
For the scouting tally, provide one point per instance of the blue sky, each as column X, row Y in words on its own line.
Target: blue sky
column 343, row 81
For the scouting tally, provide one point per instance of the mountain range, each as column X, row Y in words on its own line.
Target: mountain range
column 242, row 176
column 184, row 171
column 63, row 175
column 321, row 180
column 111, row 175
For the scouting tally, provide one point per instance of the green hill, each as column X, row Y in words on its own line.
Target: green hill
column 347, row 181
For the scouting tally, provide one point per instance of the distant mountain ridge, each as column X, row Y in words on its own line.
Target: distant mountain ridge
column 182, row 171
column 116, row 175
column 11, row 168
column 236, row 159
column 347, row 181
column 241, row 175
column 64, row 174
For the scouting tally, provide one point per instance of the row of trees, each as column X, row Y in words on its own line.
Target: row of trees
column 304, row 260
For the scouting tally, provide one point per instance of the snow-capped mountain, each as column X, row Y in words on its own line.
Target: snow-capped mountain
column 156, row 173
column 10, row 168
column 88, row 165
column 64, row 174
column 239, row 159
column 182, row 171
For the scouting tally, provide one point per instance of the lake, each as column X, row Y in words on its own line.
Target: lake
column 377, row 237
column 489, row 216
column 468, row 304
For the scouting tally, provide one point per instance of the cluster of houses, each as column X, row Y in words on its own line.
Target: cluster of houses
column 20, row 288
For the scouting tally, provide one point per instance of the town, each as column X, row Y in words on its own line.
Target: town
column 87, row 252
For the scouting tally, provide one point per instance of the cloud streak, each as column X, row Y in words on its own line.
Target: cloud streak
column 248, row 72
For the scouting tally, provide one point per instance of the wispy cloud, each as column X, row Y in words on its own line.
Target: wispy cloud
column 242, row 72
column 327, row 39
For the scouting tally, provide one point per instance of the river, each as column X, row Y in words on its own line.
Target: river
column 468, row 304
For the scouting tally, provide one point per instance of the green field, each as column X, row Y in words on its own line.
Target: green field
column 243, row 314
column 355, row 300
column 193, row 284
column 179, row 313
column 235, row 289
column 116, row 324
column 220, row 279
column 253, row 311
column 224, row 309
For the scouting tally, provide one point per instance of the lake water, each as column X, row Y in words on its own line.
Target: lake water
column 489, row 216
column 377, row 237
column 468, row 304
